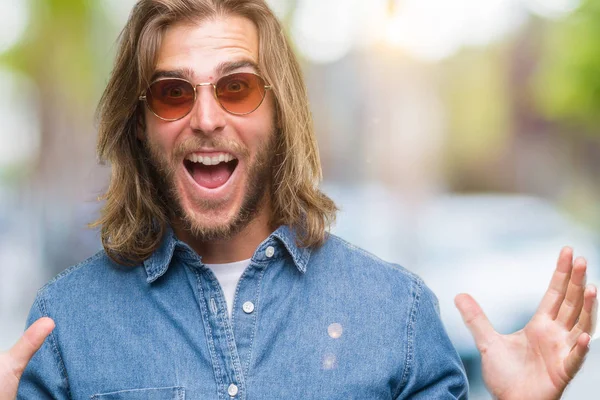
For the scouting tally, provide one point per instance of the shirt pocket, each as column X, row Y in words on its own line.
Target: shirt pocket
column 163, row 393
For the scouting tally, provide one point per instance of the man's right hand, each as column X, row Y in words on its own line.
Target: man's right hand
column 13, row 362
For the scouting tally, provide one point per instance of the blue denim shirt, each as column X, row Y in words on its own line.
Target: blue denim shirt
column 332, row 322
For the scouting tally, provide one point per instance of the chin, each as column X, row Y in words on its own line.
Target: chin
column 218, row 221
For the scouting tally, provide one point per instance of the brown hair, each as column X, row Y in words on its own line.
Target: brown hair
column 134, row 218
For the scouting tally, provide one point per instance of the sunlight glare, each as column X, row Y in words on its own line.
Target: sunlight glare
column 324, row 30
column 14, row 16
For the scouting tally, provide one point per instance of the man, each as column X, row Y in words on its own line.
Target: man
column 217, row 278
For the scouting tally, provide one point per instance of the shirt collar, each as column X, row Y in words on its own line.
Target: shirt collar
column 282, row 241
column 287, row 237
column 158, row 263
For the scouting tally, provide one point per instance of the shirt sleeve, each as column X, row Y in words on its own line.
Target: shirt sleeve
column 433, row 369
column 45, row 376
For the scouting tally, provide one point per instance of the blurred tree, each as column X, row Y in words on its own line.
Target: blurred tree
column 476, row 92
column 567, row 84
column 567, row 92
column 63, row 54
column 66, row 53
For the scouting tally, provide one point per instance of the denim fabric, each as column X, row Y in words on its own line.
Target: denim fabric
column 333, row 322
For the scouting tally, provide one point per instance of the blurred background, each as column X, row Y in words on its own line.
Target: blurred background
column 461, row 139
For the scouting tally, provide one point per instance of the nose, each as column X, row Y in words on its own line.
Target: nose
column 207, row 115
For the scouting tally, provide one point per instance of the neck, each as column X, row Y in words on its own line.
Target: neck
column 240, row 246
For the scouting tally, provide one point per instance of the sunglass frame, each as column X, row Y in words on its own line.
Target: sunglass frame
column 144, row 96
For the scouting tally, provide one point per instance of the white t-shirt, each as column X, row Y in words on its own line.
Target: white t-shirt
column 228, row 275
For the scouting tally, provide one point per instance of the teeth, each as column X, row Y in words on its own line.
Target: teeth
column 206, row 160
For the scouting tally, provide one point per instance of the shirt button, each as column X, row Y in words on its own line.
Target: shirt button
column 270, row 251
column 248, row 307
column 232, row 390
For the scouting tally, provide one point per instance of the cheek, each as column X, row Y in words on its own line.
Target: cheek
column 258, row 131
column 255, row 140
column 161, row 136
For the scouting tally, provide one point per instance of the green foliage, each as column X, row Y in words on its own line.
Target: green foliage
column 59, row 50
column 567, row 85
column 476, row 93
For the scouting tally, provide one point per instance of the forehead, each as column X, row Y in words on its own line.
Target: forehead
column 202, row 47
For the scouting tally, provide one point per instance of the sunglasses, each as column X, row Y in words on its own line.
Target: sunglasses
column 171, row 99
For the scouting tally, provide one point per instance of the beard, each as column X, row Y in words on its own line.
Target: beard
column 256, row 191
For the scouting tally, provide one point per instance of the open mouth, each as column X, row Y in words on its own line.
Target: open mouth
column 211, row 171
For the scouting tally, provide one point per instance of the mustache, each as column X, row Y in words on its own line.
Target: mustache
column 215, row 142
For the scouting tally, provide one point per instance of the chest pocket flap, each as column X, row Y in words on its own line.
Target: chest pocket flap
column 164, row 393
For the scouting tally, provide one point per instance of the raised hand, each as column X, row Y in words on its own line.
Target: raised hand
column 13, row 362
column 538, row 361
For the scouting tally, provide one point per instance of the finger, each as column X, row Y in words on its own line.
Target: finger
column 587, row 318
column 29, row 343
column 557, row 288
column 575, row 358
column 571, row 306
column 594, row 313
column 475, row 319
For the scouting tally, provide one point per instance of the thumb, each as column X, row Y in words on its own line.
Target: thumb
column 475, row 319
column 29, row 343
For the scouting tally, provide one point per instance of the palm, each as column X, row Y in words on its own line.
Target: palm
column 543, row 357
column 13, row 363
column 533, row 356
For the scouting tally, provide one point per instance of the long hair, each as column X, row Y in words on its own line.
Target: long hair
column 135, row 217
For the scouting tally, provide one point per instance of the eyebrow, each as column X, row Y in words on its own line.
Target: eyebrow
column 182, row 73
column 223, row 68
column 227, row 67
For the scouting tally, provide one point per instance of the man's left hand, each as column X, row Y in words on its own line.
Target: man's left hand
column 540, row 360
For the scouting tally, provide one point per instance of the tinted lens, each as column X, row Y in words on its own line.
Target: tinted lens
column 241, row 93
column 170, row 98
